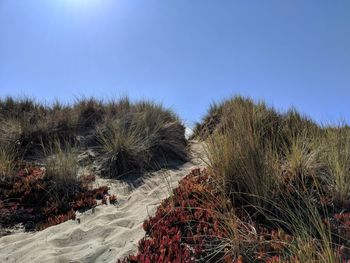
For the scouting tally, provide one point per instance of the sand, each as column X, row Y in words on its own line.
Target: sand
column 107, row 232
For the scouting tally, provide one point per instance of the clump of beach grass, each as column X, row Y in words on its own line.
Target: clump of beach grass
column 144, row 138
column 9, row 139
column 61, row 169
column 285, row 171
column 243, row 150
column 7, row 159
column 337, row 159
column 131, row 135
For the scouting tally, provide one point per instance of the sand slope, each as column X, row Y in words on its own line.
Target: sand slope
column 105, row 233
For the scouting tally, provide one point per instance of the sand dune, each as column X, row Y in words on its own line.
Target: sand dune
column 105, row 233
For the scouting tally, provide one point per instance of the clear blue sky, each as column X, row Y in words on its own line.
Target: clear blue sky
column 183, row 53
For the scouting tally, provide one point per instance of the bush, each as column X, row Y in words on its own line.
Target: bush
column 122, row 149
column 146, row 137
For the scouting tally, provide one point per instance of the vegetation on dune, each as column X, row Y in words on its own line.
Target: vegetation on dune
column 7, row 159
column 187, row 226
column 32, row 198
column 146, row 137
column 277, row 190
column 39, row 197
column 286, row 171
column 61, row 169
column 129, row 135
column 39, row 147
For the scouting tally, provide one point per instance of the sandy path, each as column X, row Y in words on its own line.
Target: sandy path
column 105, row 233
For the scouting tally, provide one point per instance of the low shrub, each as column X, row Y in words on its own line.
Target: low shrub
column 186, row 226
column 27, row 199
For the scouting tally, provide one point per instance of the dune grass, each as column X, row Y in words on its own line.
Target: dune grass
column 144, row 138
column 61, row 169
column 130, row 136
column 9, row 136
column 7, row 159
column 287, row 173
column 40, row 172
column 41, row 196
column 337, row 160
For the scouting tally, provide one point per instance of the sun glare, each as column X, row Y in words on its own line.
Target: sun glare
column 81, row 6
column 83, row 3
column 82, row 9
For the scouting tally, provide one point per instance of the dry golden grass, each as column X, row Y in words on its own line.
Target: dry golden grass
column 130, row 136
column 279, row 165
column 145, row 137
column 7, row 158
column 61, row 168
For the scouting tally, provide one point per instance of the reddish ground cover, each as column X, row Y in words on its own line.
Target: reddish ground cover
column 191, row 226
column 184, row 227
column 26, row 199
